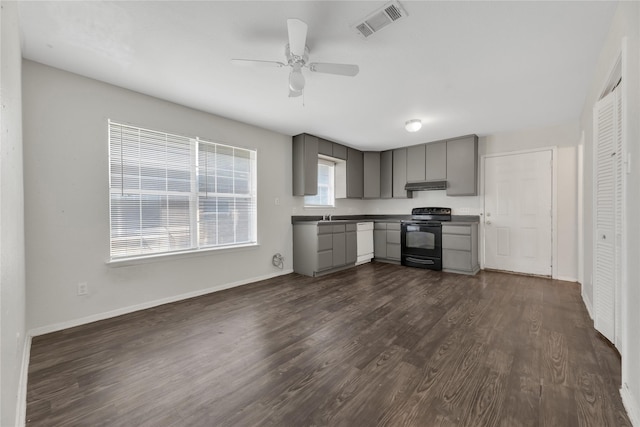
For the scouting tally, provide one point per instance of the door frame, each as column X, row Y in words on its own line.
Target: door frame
column 554, row 202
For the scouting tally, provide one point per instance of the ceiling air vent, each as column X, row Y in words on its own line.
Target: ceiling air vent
column 379, row 19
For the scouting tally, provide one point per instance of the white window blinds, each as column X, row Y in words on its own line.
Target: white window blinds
column 172, row 193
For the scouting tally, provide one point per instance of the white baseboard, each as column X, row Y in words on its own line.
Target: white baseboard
column 631, row 405
column 566, row 279
column 21, row 406
column 587, row 302
column 143, row 306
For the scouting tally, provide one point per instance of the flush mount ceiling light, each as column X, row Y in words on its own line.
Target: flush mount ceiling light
column 413, row 125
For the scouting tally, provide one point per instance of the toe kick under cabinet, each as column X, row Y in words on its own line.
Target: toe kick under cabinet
column 460, row 248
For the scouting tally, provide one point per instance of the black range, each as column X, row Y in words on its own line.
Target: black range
column 421, row 237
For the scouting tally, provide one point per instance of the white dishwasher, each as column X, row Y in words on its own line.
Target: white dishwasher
column 364, row 242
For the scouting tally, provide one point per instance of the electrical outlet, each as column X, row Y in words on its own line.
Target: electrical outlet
column 277, row 201
column 83, row 288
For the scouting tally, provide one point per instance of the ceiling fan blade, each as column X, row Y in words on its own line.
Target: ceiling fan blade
column 257, row 62
column 297, row 36
column 339, row 69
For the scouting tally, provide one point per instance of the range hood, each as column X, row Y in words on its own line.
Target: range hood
column 426, row 186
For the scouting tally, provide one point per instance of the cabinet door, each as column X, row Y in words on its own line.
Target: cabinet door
column 354, row 174
column 436, row 161
column 351, row 241
column 456, row 260
column 325, row 260
column 380, row 243
column 305, row 165
column 399, row 173
column 393, row 251
column 339, row 249
column 393, row 236
column 325, row 147
column 416, row 163
column 386, row 174
column 462, row 166
column 339, row 151
column 371, row 174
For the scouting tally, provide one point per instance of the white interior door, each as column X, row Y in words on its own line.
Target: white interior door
column 518, row 212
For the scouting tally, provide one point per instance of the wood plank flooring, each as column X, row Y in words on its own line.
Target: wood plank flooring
column 376, row 345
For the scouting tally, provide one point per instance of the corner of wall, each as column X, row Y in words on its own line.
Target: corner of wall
column 633, row 411
column 21, row 407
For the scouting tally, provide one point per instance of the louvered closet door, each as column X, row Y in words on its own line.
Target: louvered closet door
column 608, row 214
column 620, row 209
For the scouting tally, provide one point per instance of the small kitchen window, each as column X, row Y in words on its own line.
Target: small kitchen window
column 326, row 186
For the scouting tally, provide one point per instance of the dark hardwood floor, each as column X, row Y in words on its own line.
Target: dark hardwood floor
column 378, row 344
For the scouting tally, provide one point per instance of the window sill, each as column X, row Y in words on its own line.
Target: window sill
column 172, row 256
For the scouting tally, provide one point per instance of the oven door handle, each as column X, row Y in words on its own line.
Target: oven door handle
column 420, row 261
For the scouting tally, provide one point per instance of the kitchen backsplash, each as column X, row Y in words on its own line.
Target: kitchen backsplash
column 471, row 205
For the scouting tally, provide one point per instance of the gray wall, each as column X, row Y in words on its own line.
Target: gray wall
column 625, row 23
column 67, row 202
column 12, row 264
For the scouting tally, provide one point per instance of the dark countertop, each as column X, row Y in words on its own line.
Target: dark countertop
column 469, row 219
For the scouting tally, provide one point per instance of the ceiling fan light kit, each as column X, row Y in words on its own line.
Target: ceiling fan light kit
column 297, row 55
column 413, row 125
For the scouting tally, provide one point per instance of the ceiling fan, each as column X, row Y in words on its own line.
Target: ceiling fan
column 297, row 55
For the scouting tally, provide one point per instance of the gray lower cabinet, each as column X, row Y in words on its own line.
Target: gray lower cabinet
column 371, row 174
column 380, row 240
column 351, row 240
column 305, row 165
column 386, row 241
column 462, row 166
column 460, row 248
column 339, row 246
column 393, row 241
column 322, row 248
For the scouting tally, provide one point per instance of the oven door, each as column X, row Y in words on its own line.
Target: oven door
column 422, row 245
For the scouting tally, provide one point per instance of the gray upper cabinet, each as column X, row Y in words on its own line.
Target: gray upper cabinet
column 325, row 147
column 339, row 151
column 371, row 175
column 305, row 165
column 462, row 166
column 436, row 161
column 386, row 174
column 416, row 163
column 400, row 174
column 355, row 165
column 332, row 149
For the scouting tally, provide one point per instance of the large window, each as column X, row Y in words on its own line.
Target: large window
column 326, row 186
column 171, row 193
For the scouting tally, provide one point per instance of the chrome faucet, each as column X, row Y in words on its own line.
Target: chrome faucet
column 330, row 215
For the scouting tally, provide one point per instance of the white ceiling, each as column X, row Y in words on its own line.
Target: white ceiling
column 461, row 67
